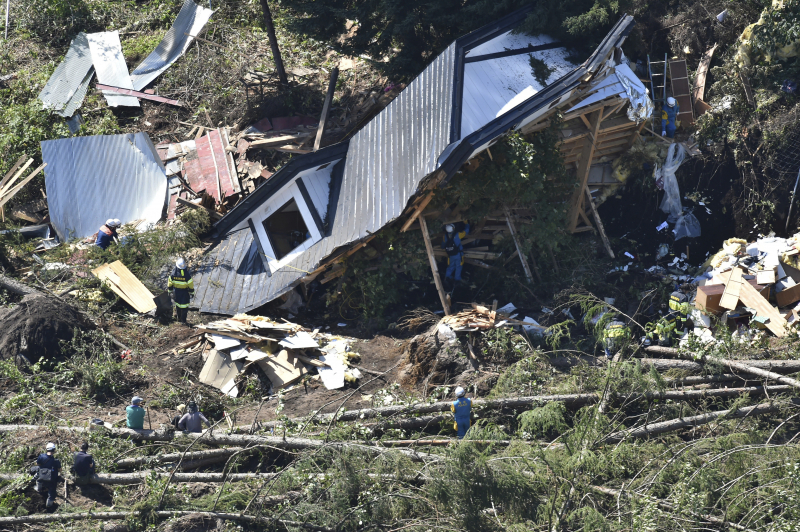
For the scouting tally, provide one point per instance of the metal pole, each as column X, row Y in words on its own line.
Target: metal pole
column 8, row 5
column 791, row 203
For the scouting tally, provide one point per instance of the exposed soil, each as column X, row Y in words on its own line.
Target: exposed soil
column 36, row 326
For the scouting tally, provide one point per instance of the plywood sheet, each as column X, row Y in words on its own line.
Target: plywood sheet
column 220, row 371
column 126, row 286
column 751, row 298
column 733, row 287
column 282, row 369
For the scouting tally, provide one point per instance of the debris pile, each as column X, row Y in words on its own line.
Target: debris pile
column 284, row 352
column 749, row 283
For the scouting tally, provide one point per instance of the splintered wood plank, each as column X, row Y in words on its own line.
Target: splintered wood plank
column 126, row 286
column 733, row 286
column 751, row 298
column 282, row 369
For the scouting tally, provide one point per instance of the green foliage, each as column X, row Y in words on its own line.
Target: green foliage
column 780, row 27
column 540, row 70
column 529, row 376
column 11, row 504
column 543, row 421
column 137, row 48
column 93, row 365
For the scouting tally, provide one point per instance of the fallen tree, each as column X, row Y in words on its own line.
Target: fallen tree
column 15, row 287
column 162, row 514
column 129, row 479
column 664, row 364
column 745, row 367
column 653, row 429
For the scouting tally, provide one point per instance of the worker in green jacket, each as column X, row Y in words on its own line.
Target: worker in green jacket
column 663, row 331
column 615, row 335
column 182, row 286
column 680, row 306
column 135, row 414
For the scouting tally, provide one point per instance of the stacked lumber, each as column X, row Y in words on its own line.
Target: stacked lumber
column 12, row 184
column 285, row 352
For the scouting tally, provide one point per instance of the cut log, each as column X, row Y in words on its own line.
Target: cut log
column 174, row 457
column 733, row 364
column 664, row 364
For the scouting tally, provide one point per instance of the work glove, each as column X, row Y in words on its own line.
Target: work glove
column 663, row 133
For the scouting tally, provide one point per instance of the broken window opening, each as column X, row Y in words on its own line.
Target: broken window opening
column 286, row 230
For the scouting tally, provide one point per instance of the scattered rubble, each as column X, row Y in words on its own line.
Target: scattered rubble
column 285, row 352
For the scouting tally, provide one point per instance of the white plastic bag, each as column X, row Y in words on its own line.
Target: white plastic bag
column 671, row 204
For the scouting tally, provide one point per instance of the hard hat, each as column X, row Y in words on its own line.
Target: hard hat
column 192, row 406
column 671, row 101
column 182, row 408
column 117, row 222
column 50, row 447
column 136, row 400
column 110, row 222
column 460, row 392
column 180, row 263
column 449, row 228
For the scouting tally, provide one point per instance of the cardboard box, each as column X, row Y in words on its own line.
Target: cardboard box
column 709, row 296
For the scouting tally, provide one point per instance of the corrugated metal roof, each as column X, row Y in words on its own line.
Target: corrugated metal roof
column 109, row 63
column 92, row 179
column 190, row 20
column 385, row 163
column 66, row 88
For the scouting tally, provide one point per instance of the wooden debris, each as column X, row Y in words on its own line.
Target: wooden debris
column 126, row 286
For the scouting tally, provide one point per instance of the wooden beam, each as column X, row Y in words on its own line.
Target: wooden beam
column 326, row 107
column 277, row 141
column 13, row 170
column 423, row 225
column 614, row 110
column 583, row 170
column 12, row 192
column 419, row 208
column 599, row 223
column 8, row 183
column 213, row 214
column 137, row 94
column 586, row 122
column 522, row 259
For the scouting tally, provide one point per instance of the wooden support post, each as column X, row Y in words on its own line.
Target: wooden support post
column 434, row 269
column 417, row 211
column 273, row 43
column 599, row 224
column 326, row 107
column 517, row 244
column 584, row 165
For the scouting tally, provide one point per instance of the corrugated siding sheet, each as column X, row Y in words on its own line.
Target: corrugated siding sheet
column 386, row 161
column 191, row 20
column 66, row 88
column 92, row 179
column 111, row 68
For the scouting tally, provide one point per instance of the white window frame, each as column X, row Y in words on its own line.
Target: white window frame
column 277, row 202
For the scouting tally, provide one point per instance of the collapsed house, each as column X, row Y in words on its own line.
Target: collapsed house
column 324, row 206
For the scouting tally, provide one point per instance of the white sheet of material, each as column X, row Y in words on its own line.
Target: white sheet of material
column 109, row 63
column 224, row 342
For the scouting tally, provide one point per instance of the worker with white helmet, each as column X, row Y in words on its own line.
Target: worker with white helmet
column 47, row 471
column 107, row 233
column 669, row 118
column 451, row 243
column 182, row 287
column 462, row 410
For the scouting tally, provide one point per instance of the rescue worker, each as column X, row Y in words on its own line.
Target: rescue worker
column 680, row 306
column 181, row 411
column 462, row 410
column 669, row 118
column 192, row 421
column 83, row 465
column 183, row 289
column 451, row 243
column 615, row 335
column 107, row 234
column 47, row 474
column 135, row 414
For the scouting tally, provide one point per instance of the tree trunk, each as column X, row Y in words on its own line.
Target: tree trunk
column 166, row 514
column 273, row 42
column 15, row 287
column 174, row 457
column 744, row 366
column 692, row 421
column 663, row 364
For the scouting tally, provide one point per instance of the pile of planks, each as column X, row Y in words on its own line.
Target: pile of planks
column 285, row 352
column 11, row 183
column 479, row 318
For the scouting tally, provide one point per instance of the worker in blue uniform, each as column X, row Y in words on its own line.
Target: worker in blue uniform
column 107, row 234
column 669, row 118
column 182, row 287
column 47, row 474
column 462, row 410
column 451, row 243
